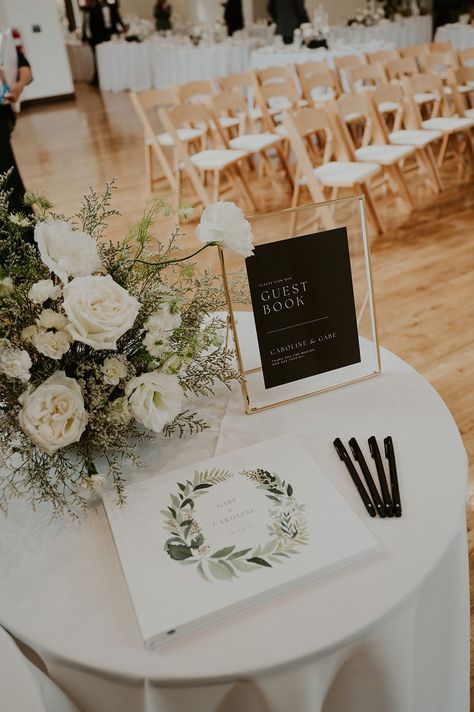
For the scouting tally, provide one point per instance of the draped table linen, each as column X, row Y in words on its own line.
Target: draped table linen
column 460, row 35
column 387, row 633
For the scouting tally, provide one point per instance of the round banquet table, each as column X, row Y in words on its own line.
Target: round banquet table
column 460, row 35
column 402, row 32
column 387, row 633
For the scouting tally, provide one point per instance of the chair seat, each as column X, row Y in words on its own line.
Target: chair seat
column 382, row 154
column 344, row 174
column 228, row 122
column 254, row 142
column 281, row 130
column 462, row 89
column 354, row 116
column 447, row 124
column 322, row 97
column 186, row 135
column 423, row 97
column 216, row 159
column 418, row 138
column 386, row 106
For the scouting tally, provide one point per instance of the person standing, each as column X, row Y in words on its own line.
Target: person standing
column 233, row 16
column 101, row 20
column 7, row 124
column 288, row 16
column 162, row 15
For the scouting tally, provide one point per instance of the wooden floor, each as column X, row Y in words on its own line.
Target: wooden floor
column 424, row 264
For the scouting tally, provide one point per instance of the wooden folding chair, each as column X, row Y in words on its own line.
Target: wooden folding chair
column 196, row 92
column 374, row 148
column 383, row 56
column 399, row 68
column 343, row 63
column 215, row 160
column 250, row 140
column 402, row 130
column 418, row 52
column 275, row 98
column 461, row 85
column 438, row 61
column 270, row 75
column 316, row 141
column 448, row 125
column 365, row 77
column 158, row 143
column 441, row 46
column 466, row 57
column 322, row 87
column 244, row 83
column 306, row 69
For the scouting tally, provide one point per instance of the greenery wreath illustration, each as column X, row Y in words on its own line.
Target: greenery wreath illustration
column 287, row 527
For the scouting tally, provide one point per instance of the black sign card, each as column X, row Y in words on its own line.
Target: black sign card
column 303, row 304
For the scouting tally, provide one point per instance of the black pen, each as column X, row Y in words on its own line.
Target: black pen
column 357, row 452
column 390, row 455
column 344, row 455
column 375, row 452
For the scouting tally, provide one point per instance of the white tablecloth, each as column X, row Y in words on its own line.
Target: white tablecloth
column 390, row 633
column 461, row 36
column 81, row 60
column 403, row 32
column 160, row 63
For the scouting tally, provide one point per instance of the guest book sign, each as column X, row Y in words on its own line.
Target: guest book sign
column 303, row 304
column 207, row 540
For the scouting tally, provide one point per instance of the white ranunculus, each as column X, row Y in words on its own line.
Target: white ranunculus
column 225, row 223
column 49, row 319
column 53, row 344
column 155, row 399
column 99, row 310
column 43, row 290
column 113, row 369
column 67, row 252
column 53, row 414
column 6, row 286
column 14, row 363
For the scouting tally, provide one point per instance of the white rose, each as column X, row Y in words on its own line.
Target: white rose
column 53, row 414
column 15, row 363
column 100, row 311
column 28, row 332
column 225, row 223
column 6, row 286
column 43, row 290
column 67, row 252
column 155, row 399
column 53, row 344
column 113, row 370
column 49, row 319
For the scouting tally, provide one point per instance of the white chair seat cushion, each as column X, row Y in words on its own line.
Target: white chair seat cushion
column 355, row 116
column 469, row 113
column 165, row 139
column 386, row 106
column 422, row 97
column 382, row 154
column 447, row 124
column 254, row 142
column 462, row 89
column 228, row 122
column 322, row 96
column 216, row 159
column 344, row 175
column 281, row 130
column 414, row 138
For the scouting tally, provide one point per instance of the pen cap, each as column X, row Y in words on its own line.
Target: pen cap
column 339, row 447
column 353, row 444
column 388, row 444
column 372, row 442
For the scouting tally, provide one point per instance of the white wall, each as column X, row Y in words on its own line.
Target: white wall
column 45, row 50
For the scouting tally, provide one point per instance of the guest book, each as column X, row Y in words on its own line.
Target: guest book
column 208, row 540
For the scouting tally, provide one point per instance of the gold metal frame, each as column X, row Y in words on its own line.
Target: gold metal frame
column 368, row 301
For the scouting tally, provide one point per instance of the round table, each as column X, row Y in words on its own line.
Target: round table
column 388, row 633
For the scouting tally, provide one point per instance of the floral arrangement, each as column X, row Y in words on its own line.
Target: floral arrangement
column 101, row 343
column 368, row 16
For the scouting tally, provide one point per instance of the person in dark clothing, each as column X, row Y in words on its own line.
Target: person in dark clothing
column 162, row 14
column 233, row 16
column 101, row 20
column 7, row 124
column 288, row 15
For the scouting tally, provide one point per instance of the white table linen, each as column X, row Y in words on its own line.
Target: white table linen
column 402, row 32
column 389, row 633
column 461, row 36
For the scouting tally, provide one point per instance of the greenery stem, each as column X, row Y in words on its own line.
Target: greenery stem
column 180, row 259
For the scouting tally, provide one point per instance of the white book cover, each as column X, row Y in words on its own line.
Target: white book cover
column 205, row 541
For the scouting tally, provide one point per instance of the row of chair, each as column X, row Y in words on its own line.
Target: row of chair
column 321, row 140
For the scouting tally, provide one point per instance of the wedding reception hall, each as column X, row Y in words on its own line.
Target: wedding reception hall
column 236, row 359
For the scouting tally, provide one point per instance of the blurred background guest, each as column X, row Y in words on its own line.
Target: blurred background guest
column 233, row 16
column 101, row 20
column 288, row 15
column 7, row 124
column 162, row 14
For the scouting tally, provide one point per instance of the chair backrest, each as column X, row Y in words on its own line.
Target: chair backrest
column 230, row 103
column 146, row 105
column 439, row 61
column 274, row 74
column 383, row 56
column 195, row 91
column 305, row 69
column 455, row 77
column 296, row 131
column 365, row 76
column 424, row 83
column 348, row 60
column 441, row 46
column 237, row 81
column 392, row 95
column 466, row 57
column 349, row 105
column 323, row 85
column 418, row 52
column 279, row 94
column 405, row 67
